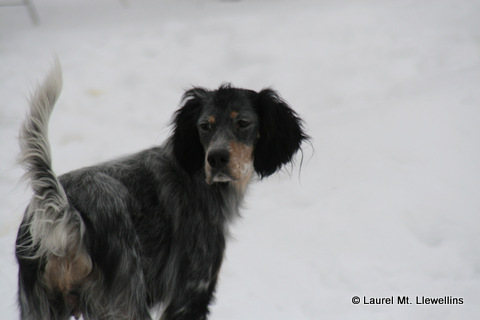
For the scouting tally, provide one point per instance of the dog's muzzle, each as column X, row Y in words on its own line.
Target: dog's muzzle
column 218, row 169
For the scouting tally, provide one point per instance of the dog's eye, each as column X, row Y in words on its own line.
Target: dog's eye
column 205, row 126
column 243, row 124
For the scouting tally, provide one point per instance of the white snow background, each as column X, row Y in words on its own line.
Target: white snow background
column 387, row 200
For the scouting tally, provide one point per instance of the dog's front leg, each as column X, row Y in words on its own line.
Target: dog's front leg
column 198, row 266
column 191, row 303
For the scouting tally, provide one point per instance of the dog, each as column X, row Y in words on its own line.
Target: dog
column 114, row 240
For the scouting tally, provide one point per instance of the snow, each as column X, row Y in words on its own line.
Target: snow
column 387, row 199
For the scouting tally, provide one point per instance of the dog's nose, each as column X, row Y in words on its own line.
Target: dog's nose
column 218, row 159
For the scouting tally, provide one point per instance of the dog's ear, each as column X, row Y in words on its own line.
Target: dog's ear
column 280, row 134
column 187, row 149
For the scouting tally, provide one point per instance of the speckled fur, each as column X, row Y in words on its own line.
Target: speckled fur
column 112, row 241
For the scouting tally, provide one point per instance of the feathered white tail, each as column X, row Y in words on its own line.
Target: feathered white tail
column 51, row 225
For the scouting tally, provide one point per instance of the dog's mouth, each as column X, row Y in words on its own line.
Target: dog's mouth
column 219, row 177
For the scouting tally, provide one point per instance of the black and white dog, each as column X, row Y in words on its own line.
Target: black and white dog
column 113, row 240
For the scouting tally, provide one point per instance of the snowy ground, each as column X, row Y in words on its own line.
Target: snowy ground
column 387, row 204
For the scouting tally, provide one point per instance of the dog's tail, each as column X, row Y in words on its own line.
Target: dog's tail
column 53, row 227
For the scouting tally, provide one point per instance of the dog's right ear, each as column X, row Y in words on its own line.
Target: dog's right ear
column 187, row 149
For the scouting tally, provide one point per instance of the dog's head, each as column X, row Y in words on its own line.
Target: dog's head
column 230, row 133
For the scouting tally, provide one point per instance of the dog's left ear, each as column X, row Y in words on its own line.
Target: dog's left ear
column 280, row 135
column 186, row 142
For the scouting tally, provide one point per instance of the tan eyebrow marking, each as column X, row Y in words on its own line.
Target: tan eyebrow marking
column 233, row 114
column 211, row 119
